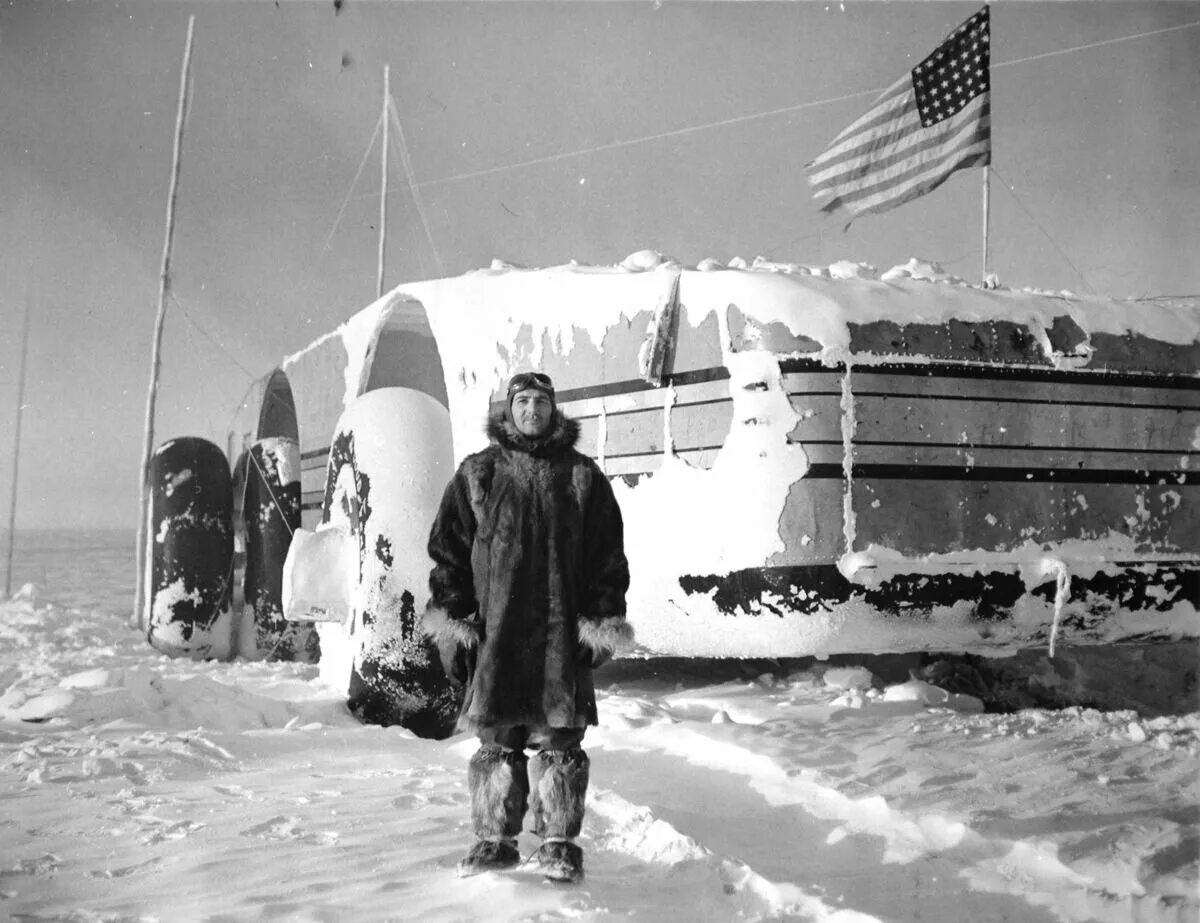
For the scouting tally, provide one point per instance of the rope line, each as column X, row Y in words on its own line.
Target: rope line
column 206, row 393
column 1045, row 233
column 267, row 484
column 673, row 133
column 210, row 337
column 410, row 175
column 1100, row 44
column 783, row 110
column 353, row 183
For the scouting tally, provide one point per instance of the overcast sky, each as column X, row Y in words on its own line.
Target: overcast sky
column 538, row 133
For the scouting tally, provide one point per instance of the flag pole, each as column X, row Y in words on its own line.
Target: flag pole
column 987, row 167
column 384, row 184
column 12, row 506
column 986, row 197
column 156, row 357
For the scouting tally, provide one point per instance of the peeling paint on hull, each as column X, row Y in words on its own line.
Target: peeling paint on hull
column 986, row 603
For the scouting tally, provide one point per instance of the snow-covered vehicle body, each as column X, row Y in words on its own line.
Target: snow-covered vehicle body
column 813, row 461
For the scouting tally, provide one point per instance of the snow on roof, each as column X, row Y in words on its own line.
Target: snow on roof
column 817, row 301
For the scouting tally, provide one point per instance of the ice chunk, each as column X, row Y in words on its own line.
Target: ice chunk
column 318, row 575
column 848, row 678
column 916, row 690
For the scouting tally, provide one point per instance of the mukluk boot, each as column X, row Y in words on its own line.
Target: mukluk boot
column 560, row 860
column 499, row 786
column 558, row 781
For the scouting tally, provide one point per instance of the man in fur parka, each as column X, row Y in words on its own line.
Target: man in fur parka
column 527, row 597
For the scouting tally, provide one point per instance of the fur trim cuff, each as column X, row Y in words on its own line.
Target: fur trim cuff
column 607, row 635
column 437, row 624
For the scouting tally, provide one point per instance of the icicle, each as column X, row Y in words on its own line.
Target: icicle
column 1062, row 592
column 668, row 405
column 602, row 436
column 849, row 424
column 654, row 356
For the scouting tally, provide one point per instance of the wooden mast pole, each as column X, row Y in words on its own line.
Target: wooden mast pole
column 143, row 541
column 384, row 184
column 12, row 505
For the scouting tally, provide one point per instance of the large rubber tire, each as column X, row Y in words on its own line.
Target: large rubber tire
column 388, row 465
column 191, row 550
column 271, row 514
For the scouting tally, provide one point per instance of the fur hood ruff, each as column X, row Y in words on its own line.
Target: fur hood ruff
column 561, row 436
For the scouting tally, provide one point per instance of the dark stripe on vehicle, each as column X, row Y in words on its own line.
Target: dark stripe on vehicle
column 1001, row 373
column 893, row 472
column 653, row 407
column 608, row 456
column 633, row 385
column 944, row 370
column 1009, row 447
column 1104, row 377
column 991, row 399
column 1024, row 373
column 984, row 473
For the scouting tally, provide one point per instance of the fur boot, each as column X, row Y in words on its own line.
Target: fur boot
column 489, row 856
column 560, row 860
column 499, row 786
column 558, row 780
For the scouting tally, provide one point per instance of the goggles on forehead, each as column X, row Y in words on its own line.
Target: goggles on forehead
column 538, row 380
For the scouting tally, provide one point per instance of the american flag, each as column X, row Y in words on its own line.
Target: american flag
column 929, row 123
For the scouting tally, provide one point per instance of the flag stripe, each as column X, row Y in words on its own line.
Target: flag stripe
column 894, row 131
column 913, row 141
column 974, row 155
column 934, row 120
column 916, row 187
column 867, row 148
column 888, row 102
column 916, row 166
column 935, row 157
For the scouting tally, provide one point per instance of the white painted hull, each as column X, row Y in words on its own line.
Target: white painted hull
column 817, row 466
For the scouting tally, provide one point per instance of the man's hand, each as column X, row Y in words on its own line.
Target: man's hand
column 591, row 658
column 454, row 662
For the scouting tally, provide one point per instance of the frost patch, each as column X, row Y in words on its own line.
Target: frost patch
column 177, row 480
column 924, row 270
column 745, row 489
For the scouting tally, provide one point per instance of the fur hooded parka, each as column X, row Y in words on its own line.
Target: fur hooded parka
column 529, row 576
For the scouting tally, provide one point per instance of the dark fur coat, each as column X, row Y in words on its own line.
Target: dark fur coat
column 530, row 576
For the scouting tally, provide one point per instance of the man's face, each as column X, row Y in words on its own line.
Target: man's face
column 531, row 412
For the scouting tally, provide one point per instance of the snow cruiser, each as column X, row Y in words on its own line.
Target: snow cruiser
column 809, row 462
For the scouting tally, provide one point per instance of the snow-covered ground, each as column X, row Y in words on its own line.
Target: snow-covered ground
column 136, row 787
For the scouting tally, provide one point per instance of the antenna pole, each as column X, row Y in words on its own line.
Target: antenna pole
column 143, row 543
column 384, row 183
column 12, row 506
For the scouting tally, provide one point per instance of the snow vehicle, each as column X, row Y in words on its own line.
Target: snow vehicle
column 808, row 461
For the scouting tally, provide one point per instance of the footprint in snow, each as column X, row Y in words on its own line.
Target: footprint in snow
column 440, row 799
column 151, row 865
column 176, row 831
column 44, row 866
column 288, row 828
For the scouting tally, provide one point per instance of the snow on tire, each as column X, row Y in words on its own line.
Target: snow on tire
column 191, row 550
column 389, row 462
column 271, row 513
